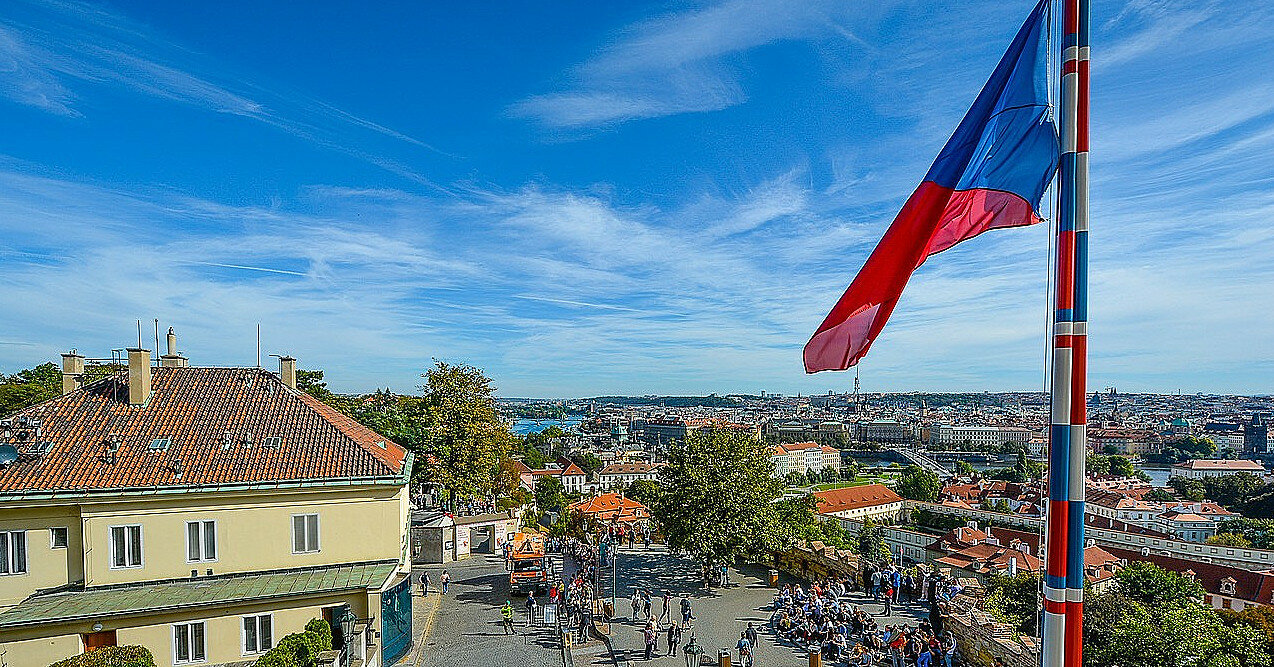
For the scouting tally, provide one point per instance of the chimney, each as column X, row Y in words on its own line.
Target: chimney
column 138, row 376
column 287, row 371
column 172, row 359
column 72, row 371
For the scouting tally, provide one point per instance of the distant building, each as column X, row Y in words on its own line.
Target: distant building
column 1256, row 435
column 885, row 431
column 204, row 513
column 860, row 502
column 623, row 474
column 979, row 436
column 1124, row 441
column 612, row 508
column 804, row 457
column 1201, row 468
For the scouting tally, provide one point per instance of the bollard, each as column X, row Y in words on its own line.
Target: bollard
column 723, row 657
column 816, row 658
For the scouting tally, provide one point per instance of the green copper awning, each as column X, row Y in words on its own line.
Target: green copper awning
column 136, row 599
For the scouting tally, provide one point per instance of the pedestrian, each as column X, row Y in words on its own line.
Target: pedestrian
column 674, row 633
column 645, row 604
column 636, row 602
column 424, row 584
column 750, row 633
column 686, row 614
column 530, row 609
column 745, row 650
column 506, row 617
column 875, row 584
column 445, row 580
column 889, row 600
column 585, row 620
column 649, row 636
column 667, row 612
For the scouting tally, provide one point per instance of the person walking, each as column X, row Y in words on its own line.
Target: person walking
column 750, row 633
column 424, row 584
column 686, row 614
column 506, row 617
column 649, row 636
column 645, row 604
column 889, row 599
column 445, row 580
column 745, row 650
column 530, row 609
column 636, row 602
column 667, row 608
column 674, row 637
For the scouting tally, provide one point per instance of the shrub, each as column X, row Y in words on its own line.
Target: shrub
column 299, row 649
column 111, row 656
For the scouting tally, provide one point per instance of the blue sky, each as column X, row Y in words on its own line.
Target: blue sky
column 587, row 198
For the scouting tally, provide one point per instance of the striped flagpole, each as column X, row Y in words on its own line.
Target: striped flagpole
column 1064, row 576
column 1075, row 66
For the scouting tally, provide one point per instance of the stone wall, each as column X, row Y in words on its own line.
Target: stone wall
column 981, row 638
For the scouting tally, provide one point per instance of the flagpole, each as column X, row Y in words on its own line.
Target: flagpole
column 1064, row 577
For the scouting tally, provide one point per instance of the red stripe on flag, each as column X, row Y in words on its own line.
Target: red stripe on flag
column 1074, row 634
column 1081, row 119
column 1079, row 369
column 1051, row 607
column 1070, row 67
column 1057, row 534
column 1066, row 275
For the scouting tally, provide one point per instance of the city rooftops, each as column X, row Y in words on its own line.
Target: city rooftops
column 855, row 497
column 221, row 428
column 1231, row 465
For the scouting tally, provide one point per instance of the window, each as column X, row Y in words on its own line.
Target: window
column 258, row 634
column 126, row 546
column 159, row 444
column 273, row 442
column 201, row 541
column 13, row 552
column 57, row 538
column 188, row 643
column 305, row 533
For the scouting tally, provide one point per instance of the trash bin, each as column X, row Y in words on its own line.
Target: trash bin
column 608, row 610
column 774, row 578
column 816, row 658
column 723, row 657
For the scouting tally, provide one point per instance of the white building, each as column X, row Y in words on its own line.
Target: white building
column 623, row 474
column 860, row 502
column 1200, row 468
column 804, row 457
column 979, row 436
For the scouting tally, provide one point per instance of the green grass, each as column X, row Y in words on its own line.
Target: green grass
column 861, row 481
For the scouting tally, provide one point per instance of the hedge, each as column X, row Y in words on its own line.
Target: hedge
column 111, row 656
column 299, row 649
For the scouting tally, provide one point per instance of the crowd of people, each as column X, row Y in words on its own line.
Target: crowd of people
column 674, row 622
column 823, row 618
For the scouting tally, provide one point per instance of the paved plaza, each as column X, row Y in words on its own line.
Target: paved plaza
column 721, row 614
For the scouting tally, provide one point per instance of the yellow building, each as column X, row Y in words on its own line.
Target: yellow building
column 204, row 513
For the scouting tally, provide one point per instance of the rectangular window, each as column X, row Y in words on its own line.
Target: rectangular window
column 258, row 634
column 13, row 552
column 57, row 538
column 126, row 546
column 201, row 541
column 305, row 533
column 188, row 643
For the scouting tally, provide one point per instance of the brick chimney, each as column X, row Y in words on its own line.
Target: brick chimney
column 287, row 371
column 72, row 371
column 172, row 359
column 138, row 376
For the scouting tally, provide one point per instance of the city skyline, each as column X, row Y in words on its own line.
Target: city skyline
column 592, row 201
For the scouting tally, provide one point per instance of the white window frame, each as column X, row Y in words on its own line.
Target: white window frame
column 318, row 531
column 9, row 554
column 190, row 635
column 141, row 543
column 203, row 541
column 53, row 542
column 243, row 634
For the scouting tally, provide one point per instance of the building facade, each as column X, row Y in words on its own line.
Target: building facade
column 203, row 513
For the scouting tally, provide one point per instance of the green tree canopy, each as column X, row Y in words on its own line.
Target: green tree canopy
column 549, row 493
column 29, row 387
column 644, row 491
column 463, row 436
column 718, row 497
column 916, row 483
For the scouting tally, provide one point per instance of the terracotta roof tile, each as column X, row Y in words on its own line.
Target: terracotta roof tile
column 195, row 408
column 855, row 497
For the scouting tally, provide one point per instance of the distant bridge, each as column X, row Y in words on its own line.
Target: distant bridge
column 916, row 458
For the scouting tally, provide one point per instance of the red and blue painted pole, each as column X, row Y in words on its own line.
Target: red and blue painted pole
column 1068, row 447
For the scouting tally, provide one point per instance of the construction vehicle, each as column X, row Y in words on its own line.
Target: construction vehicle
column 528, row 566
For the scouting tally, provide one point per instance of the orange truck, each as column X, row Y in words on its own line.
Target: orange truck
column 528, row 566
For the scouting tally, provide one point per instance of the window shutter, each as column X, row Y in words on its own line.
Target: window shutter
column 210, row 540
column 312, row 532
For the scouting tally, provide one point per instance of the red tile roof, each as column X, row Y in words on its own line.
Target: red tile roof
column 855, row 497
column 612, row 506
column 195, row 408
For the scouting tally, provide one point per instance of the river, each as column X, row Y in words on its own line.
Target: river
column 525, row 426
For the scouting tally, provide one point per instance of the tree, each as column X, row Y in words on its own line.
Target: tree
column 916, row 483
column 849, row 471
column 1258, row 532
column 549, row 493
column 795, row 478
column 717, row 501
column 965, row 469
column 644, row 491
column 1259, row 618
column 463, row 436
column 1188, row 489
column 1150, row 584
column 1229, row 540
column 871, row 540
column 588, row 462
column 1160, row 496
column 829, row 475
column 1015, row 600
column 29, row 387
column 1232, row 490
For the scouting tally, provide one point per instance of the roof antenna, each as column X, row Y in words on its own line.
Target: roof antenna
column 156, row 341
column 258, row 345
column 139, row 334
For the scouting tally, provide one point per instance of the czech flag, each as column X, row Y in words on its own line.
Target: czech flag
column 992, row 173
